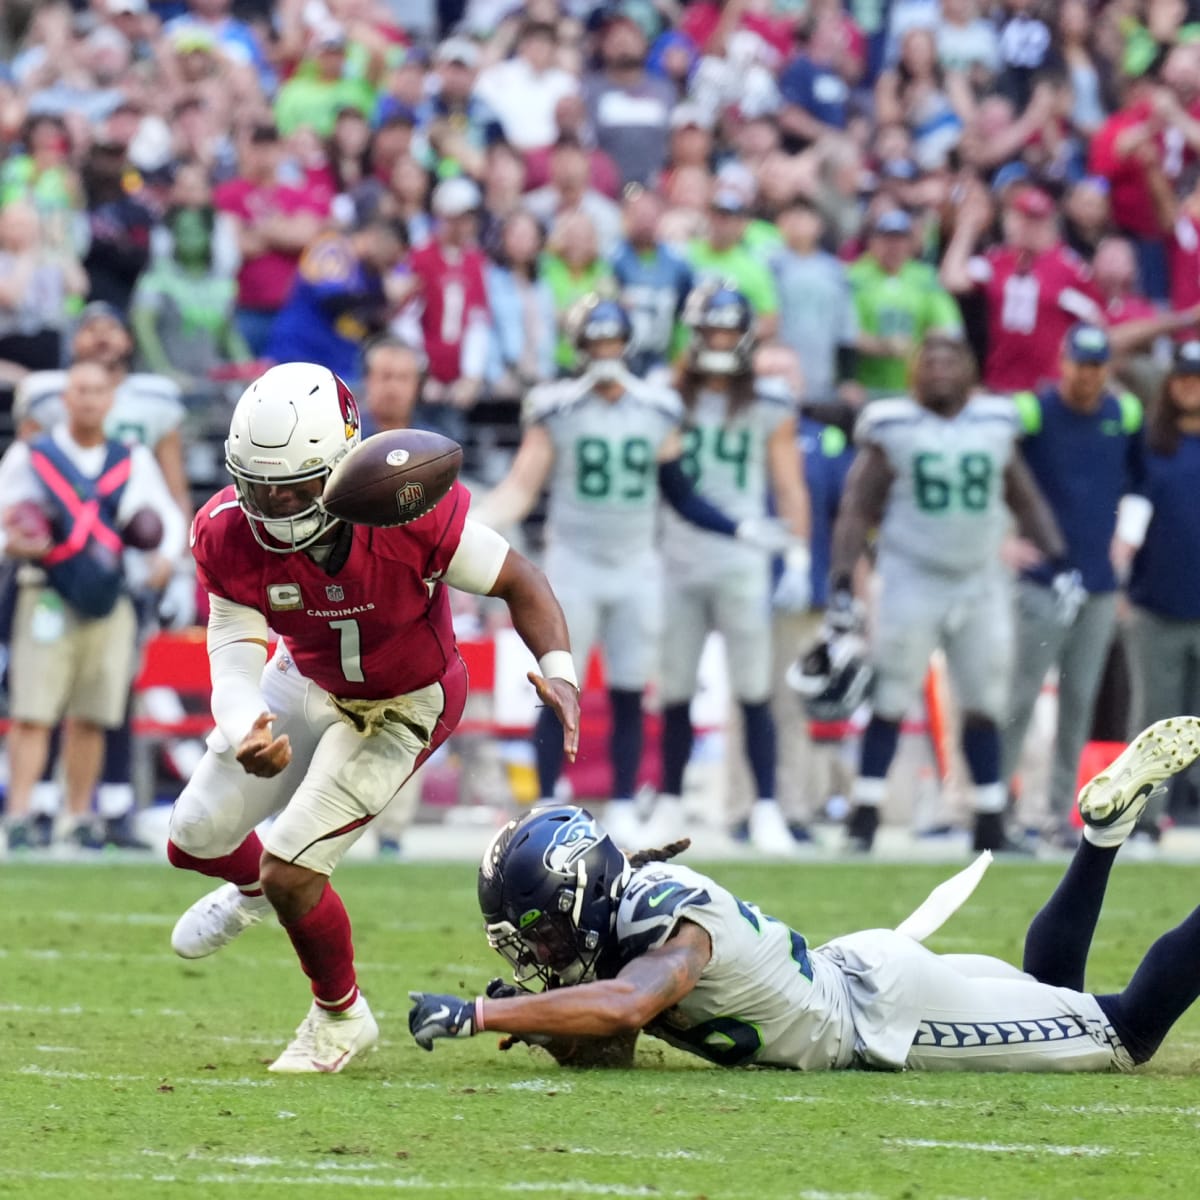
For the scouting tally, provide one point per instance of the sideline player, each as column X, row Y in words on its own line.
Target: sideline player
column 608, row 444
column 739, row 444
column 936, row 474
column 365, row 683
column 661, row 948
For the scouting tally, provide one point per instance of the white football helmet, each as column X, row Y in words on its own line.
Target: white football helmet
column 289, row 429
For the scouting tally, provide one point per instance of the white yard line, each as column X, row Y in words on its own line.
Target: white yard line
column 99, row 1077
column 1009, row 1148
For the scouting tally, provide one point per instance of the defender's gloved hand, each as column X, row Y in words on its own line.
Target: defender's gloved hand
column 434, row 1016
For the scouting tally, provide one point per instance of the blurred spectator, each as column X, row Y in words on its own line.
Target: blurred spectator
column 629, row 108
column 898, row 301
column 119, row 225
column 569, row 190
column 1034, row 287
column 817, row 315
column 408, row 200
column 967, row 42
column 815, row 96
column 42, row 176
column 391, row 385
column 455, row 323
column 1083, row 445
column 571, row 118
column 1074, row 37
column 1181, row 221
column 503, row 190
column 347, row 152
column 211, row 19
column 339, row 297
column 524, row 90
column 723, row 255
column 573, row 268
column 1025, row 47
column 654, row 282
column 919, row 93
column 274, row 222
column 37, row 285
column 459, row 126
column 183, row 310
column 1087, row 215
column 522, row 310
column 1164, row 540
column 322, row 87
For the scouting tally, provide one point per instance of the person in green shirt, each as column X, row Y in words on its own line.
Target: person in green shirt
column 573, row 268
column 322, row 86
column 182, row 310
column 724, row 255
column 898, row 301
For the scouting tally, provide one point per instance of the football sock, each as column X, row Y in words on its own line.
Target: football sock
column 879, row 743
column 1165, row 985
column 760, row 746
column 322, row 941
column 240, row 867
column 625, row 742
column 1060, row 936
column 677, row 735
column 548, row 749
column 981, row 749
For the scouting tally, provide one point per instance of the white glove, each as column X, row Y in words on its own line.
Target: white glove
column 1069, row 596
column 793, row 592
column 765, row 533
column 177, row 604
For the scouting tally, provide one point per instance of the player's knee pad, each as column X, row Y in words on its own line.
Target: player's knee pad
column 201, row 832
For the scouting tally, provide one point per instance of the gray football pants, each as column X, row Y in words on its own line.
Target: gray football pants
column 1080, row 651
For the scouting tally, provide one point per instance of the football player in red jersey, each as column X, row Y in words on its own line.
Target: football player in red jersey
column 365, row 683
column 1036, row 288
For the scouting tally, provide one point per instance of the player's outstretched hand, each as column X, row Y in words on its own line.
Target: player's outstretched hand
column 433, row 1016
column 1069, row 596
column 764, row 533
column 563, row 697
column 262, row 755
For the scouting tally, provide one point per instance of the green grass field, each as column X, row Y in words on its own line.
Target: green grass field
column 126, row 1072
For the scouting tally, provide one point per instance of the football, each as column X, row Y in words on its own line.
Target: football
column 29, row 519
column 392, row 478
column 143, row 531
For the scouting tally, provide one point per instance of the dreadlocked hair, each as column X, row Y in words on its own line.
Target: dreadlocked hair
column 662, row 854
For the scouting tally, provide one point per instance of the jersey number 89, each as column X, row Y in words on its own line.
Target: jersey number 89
column 604, row 469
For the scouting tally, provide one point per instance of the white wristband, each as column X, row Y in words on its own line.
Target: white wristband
column 558, row 664
column 1134, row 514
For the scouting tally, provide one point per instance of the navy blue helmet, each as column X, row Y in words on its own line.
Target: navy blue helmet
column 833, row 678
column 596, row 320
column 717, row 308
column 549, row 885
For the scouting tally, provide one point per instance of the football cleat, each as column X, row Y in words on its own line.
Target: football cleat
column 769, row 832
column 326, row 1041
column 215, row 920
column 1114, row 800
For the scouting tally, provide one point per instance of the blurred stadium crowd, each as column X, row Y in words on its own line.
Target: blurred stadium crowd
column 416, row 192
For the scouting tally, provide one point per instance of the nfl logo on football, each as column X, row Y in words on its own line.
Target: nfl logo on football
column 410, row 500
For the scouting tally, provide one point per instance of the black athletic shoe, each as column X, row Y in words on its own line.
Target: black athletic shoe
column 861, row 827
column 990, row 834
column 42, row 831
column 118, row 832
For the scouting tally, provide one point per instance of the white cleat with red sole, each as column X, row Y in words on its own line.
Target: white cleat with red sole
column 326, row 1041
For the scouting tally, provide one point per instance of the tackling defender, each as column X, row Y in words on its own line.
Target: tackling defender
column 627, row 946
column 937, row 475
column 365, row 683
column 608, row 444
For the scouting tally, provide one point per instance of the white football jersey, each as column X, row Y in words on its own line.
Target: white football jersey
column 946, row 509
column 145, row 409
column 726, row 458
column 604, row 486
column 762, row 998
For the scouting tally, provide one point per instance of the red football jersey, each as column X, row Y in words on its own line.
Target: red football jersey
column 454, row 296
column 377, row 627
column 1031, row 303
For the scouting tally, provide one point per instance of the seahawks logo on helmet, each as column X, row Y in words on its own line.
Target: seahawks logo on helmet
column 571, row 841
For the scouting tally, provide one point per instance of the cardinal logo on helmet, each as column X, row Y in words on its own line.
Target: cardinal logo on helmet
column 349, row 407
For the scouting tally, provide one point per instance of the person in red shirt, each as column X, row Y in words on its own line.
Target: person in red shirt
column 1035, row 287
column 274, row 224
column 455, row 320
column 364, row 684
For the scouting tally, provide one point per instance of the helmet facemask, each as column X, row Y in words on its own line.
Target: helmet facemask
column 282, row 533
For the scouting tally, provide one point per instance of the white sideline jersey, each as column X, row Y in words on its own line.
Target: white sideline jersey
column 877, row 998
column 762, row 997
column 604, row 486
column 726, row 459
column 145, row 408
column 946, row 509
